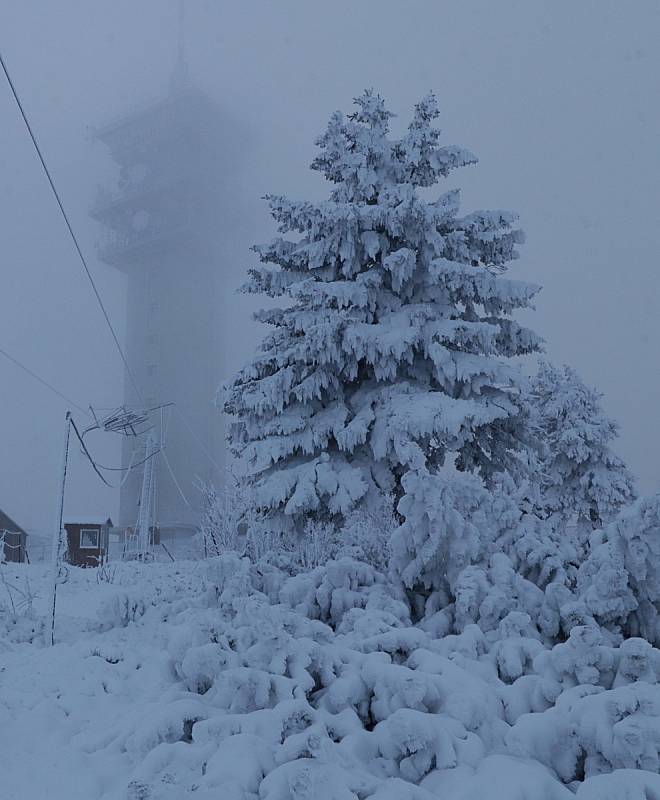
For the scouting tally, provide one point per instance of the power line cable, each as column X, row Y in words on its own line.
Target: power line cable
column 87, row 453
column 98, row 467
column 131, row 465
column 44, row 382
column 75, row 405
column 68, row 224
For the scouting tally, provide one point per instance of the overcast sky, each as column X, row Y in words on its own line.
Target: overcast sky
column 559, row 99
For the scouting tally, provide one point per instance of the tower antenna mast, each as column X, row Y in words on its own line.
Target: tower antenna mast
column 180, row 74
column 182, row 19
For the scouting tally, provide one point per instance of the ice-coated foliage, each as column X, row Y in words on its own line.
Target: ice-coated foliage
column 582, row 478
column 391, row 350
column 225, row 517
column 448, row 526
column 468, row 553
column 367, row 532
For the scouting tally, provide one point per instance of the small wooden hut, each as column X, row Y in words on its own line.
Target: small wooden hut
column 88, row 538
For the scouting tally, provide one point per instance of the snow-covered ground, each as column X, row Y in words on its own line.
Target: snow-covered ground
column 61, row 708
column 221, row 679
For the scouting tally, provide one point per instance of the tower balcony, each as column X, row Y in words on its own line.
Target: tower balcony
column 139, row 193
column 129, row 249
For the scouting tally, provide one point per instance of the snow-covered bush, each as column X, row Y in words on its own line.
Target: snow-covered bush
column 229, row 521
column 331, row 590
column 592, row 732
column 20, row 627
column 321, row 543
column 367, row 532
column 18, row 620
column 620, row 580
column 453, row 526
column 122, row 607
column 447, row 527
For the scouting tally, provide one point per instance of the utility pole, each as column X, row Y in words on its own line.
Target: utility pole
column 58, row 539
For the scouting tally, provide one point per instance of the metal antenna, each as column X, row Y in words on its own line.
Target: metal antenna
column 182, row 19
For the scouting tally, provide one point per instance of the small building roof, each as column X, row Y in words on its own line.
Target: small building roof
column 8, row 524
column 87, row 519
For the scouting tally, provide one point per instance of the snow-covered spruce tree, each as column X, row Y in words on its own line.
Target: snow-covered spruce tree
column 391, row 352
column 581, row 477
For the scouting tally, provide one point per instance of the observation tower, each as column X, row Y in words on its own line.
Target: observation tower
column 162, row 231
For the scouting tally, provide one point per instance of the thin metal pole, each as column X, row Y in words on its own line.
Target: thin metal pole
column 146, row 500
column 58, row 539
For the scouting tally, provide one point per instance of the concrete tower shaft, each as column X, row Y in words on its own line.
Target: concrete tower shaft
column 161, row 228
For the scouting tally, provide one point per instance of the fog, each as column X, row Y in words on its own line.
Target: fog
column 558, row 99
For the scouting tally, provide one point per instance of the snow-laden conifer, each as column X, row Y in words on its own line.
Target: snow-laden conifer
column 582, row 477
column 390, row 351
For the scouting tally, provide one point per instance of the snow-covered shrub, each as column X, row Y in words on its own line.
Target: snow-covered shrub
column 367, row 532
column 489, row 594
column 18, row 620
column 542, row 551
column 121, row 608
column 623, row 783
column 320, row 543
column 172, row 723
column 495, row 777
column 591, row 731
column 451, row 522
column 20, row 627
column 330, row 591
column 515, row 648
column 584, row 659
column 391, row 352
column 619, row 582
column 637, row 661
column 445, row 528
column 411, row 744
column 229, row 521
column 470, row 555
